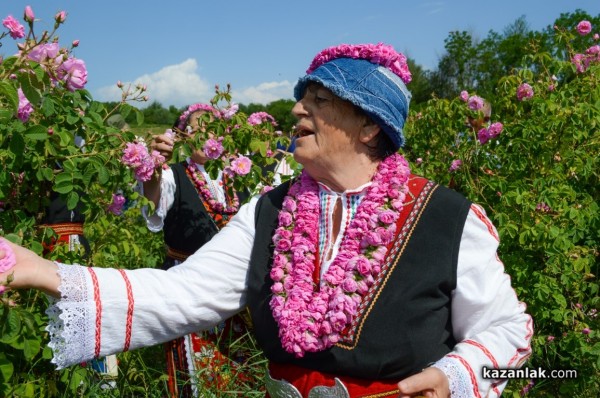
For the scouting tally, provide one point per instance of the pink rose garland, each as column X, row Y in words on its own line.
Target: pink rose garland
column 379, row 53
column 313, row 318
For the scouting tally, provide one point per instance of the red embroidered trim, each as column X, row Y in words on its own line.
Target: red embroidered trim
column 495, row 387
column 471, row 374
column 525, row 350
column 130, row 303
column 485, row 351
column 481, row 215
column 98, row 312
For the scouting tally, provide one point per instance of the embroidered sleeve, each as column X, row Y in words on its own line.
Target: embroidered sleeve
column 489, row 322
column 103, row 311
column 458, row 378
column 70, row 320
column 155, row 221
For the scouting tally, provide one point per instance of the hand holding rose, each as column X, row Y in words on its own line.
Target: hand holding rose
column 21, row 268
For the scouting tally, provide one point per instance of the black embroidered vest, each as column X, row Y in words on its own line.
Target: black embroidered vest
column 188, row 226
column 404, row 322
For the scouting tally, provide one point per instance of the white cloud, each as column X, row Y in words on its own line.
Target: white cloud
column 181, row 85
column 264, row 93
column 177, row 85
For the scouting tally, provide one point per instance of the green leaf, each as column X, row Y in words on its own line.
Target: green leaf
column 103, row 175
column 6, row 115
column 63, row 177
column 31, row 348
column 47, row 173
column 11, row 328
column 36, row 247
column 72, row 200
column 48, row 106
column 28, row 87
column 64, row 187
column 6, row 367
column 9, row 92
column 72, row 119
column 37, row 133
column 17, row 144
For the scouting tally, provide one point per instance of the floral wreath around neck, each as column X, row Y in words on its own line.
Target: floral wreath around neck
column 311, row 315
column 199, row 181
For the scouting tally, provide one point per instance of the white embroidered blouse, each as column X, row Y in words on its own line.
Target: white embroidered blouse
column 105, row 310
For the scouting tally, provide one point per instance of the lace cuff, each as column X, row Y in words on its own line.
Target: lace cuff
column 458, row 378
column 71, row 319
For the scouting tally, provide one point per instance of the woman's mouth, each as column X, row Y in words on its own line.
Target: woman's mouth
column 302, row 131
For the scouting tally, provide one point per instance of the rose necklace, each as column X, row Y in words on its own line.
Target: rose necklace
column 312, row 316
column 200, row 183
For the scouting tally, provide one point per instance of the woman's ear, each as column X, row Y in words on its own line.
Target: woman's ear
column 368, row 131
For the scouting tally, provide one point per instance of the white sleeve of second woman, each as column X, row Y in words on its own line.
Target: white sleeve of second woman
column 107, row 310
column 156, row 220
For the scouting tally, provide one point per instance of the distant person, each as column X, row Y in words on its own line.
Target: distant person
column 190, row 208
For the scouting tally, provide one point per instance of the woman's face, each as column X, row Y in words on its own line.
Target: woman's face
column 327, row 131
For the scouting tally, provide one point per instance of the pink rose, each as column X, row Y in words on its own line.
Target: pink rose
column 495, row 129
column 475, row 102
column 212, row 148
column 464, row 96
column 483, row 136
column 29, row 16
column 73, row 73
column 134, row 154
column 388, row 216
column 289, row 204
column 118, row 202
column 17, row 31
column 266, row 189
column 230, row 111
column 60, row 17
column 241, row 165
column 9, row 260
column 363, row 266
column 456, row 163
column 285, row 218
column 584, row 27
column 25, row 108
column 525, row 91
column 44, row 52
column 349, row 285
column 277, row 288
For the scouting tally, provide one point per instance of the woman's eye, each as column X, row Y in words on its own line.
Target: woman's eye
column 320, row 100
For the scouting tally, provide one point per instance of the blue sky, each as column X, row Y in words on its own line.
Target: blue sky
column 181, row 49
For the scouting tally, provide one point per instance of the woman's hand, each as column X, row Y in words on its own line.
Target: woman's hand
column 30, row 270
column 431, row 382
column 163, row 143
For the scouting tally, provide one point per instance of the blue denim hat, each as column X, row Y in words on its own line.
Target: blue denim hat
column 375, row 89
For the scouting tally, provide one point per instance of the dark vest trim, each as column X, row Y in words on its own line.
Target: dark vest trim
column 420, row 194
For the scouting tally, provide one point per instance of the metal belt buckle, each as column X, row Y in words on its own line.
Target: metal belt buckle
column 284, row 389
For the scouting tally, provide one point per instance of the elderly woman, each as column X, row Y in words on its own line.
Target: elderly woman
column 362, row 279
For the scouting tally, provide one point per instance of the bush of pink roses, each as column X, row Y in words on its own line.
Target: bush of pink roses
column 533, row 164
column 54, row 138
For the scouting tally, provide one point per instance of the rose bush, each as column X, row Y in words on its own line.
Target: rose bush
column 54, row 138
column 538, row 176
column 533, row 166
